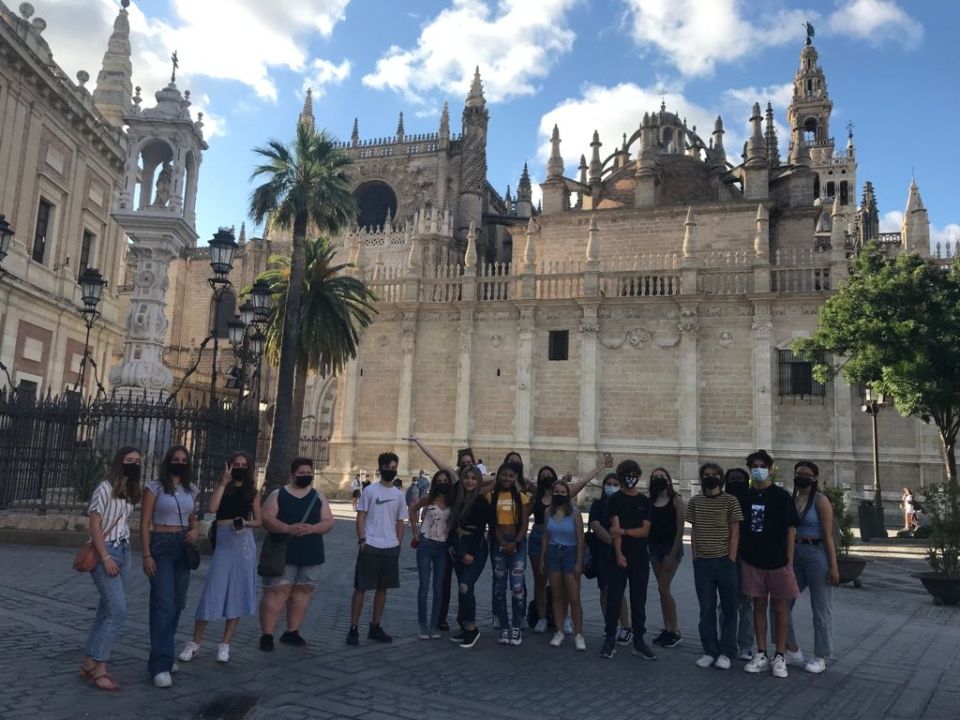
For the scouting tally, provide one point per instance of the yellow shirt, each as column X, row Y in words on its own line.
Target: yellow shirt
column 506, row 511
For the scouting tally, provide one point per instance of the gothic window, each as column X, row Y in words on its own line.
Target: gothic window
column 831, row 189
column 844, row 197
column 222, row 314
column 796, row 378
column 810, row 130
column 44, row 220
column 374, row 200
column 559, row 345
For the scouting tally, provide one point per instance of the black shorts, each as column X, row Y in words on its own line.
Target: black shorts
column 356, row 493
column 377, row 569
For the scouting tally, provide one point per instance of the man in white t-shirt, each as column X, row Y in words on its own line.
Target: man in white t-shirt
column 380, row 515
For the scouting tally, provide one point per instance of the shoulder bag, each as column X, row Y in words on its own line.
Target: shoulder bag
column 273, row 554
column 86, row 558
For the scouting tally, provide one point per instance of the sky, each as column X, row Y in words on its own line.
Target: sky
column 891, row 67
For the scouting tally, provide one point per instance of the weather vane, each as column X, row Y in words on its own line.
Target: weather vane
column 176, row 63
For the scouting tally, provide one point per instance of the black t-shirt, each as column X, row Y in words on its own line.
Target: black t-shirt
column 769, row 514
column 632, row 511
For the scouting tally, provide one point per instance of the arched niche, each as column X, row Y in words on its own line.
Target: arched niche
column 155, row 172
column 375, row 199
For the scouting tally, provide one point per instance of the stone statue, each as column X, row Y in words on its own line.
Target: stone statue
column 810, row 33
column 162, row 196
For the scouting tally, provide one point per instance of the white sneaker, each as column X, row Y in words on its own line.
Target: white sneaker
column 223, row 653
column 568, row 626
column 794, row 658
column 541, row 626
column 556, row 640
column 759, row 663
column 176, row 667
column 778, row 667
column 816, row 666
column 580, row 643
column 723, row 662
column 190, row 651
column 705, row 661
column 746, row 655
column 162, row 680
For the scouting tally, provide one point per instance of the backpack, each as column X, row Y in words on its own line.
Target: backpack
column 533, row 616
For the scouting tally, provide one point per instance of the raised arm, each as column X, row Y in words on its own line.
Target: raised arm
column 606, row 462
column 431, row 454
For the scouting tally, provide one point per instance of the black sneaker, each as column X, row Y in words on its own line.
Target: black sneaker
column 353, row 636
column 293, row 637
column 457, row 637
column 443, row 626
column 640, row 648
column 470, row 638
column 672, row 640
column 266, row 643
column 609, row 648
column 661, row 638
column 377, row 633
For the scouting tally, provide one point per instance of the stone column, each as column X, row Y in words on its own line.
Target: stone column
column 844, row 465
column 589, row 382
column 523, row 412
column 763, row 381
column 345, row 432
column 405, row 400
column 461, row 423
column 689, row 382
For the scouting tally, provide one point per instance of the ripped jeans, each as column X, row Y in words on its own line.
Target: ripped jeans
column 509, row 570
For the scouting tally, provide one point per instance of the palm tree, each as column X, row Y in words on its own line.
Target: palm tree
column 334, row 307
column 303, row 183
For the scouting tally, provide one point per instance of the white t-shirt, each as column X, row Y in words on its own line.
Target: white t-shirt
column 114, row 513
column 385, row 507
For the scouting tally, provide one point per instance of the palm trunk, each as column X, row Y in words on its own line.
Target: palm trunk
column 289, row 345
column 299, row 391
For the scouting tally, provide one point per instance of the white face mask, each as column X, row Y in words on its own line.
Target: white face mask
column 759, row 474
column 609, row 490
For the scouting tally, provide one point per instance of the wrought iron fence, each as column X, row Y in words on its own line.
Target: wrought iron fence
column 54, row 450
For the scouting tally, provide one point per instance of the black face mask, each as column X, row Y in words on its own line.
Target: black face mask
column 802, row 481
column 240, row 474
column 710, row 483
column 303, row 480
column 442, row 489
column 546, row 482
column 558, row 500
column 131, row 471
column 736, row 488
column 387, row 475
column 658, row 485
column 177, row 469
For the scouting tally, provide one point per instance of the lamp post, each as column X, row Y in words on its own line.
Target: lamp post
column 91, row 284
column 223, row 249
column 6, row 235
column 873, row 403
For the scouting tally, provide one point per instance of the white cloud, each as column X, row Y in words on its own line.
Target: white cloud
column 737, row 106
column 514, row 43
column 322, row 73
column 876, row 21
column 892, row 220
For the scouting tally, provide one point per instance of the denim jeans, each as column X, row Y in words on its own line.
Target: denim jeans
column 510, row 570
column 745, row 612
column 713, row 577
column 431, row 563
column 168, row 596
column 113, row 603
column 467, row 576
column 636, row 574
column 810, row 566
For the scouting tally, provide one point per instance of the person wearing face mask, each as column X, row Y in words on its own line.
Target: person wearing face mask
column 601, row 549
column 770, row 527
column 111, row 503
column 230, row 591
column 666, row 549
column 301, row 513
column 736, row 482
column 814, row 565
column 380, row 517
column 561, row 558
column 510, row 508
column 629, row 528
column 715, row 517
column 469, row 515
column 167, row 523
column 430, row 540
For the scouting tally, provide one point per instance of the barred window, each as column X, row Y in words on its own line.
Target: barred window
column 796, row 378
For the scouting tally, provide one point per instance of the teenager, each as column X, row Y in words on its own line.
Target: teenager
column 380, row 517
column 508, row 523
column 167, row 524
column 230, row 591
column 469, row 514
column 814, row 565
column 629, row 528
column 736, row 482
column 109, row 512
column 561, row 559
column 356, row 488
column 301, row 513
column 601, row 550
column 666, row 549
column 768, row 546
column 715, row 518
column 430, row 536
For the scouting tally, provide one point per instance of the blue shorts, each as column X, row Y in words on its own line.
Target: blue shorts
column 658, row 553
column 561, row 558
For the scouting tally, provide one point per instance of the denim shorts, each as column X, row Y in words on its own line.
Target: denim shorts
column 535, row 541
column 293, row 575
column 658, row 553
column 561, row 558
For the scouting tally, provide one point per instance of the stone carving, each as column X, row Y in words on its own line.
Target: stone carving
column 162, row 196
column 383, row 340
column 496, row 340
column 590, row 326
column 726, row 339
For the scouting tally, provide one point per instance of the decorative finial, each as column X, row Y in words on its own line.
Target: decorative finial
column 176, row 63
column 83, row 77
column 124, row 4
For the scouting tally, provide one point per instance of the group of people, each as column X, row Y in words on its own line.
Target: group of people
column 755, row 547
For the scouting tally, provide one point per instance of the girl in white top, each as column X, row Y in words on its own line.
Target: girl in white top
column 430, row 540
column 109, row 510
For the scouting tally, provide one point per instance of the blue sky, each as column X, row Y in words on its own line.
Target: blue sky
column 891, row 68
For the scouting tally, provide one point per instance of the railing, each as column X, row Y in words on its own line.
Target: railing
column 560, row 280
column 725, row 273
column 946, row 252
column 387, row 283
column 442, row 284
column 317, row 448
column 494, row 281
column 800, row 271
column 889, row 238
column 640, row 283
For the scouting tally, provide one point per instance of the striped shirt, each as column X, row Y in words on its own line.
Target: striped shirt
column 711, row 518
column 113, row 512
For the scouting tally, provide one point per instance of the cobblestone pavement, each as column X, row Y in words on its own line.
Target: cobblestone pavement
column 898, row 656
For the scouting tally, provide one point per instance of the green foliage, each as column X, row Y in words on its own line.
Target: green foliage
column 943, row 545
column 90, row 467
column 837, row 499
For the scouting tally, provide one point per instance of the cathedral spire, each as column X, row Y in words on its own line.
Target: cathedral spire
column 555, row 163
column 355, row 134
column 445, row 122
column 243, row 233
column 475, row 98
column 524, row 190
column 306, row 115
column 756, row 146
column 400, row 132
column 809, row 112
column 717, row 138
column 770, row 139
column 114, row 83
column 596, row 168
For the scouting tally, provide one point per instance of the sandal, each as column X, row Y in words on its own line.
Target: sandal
column 86, row 673
column 104, row 682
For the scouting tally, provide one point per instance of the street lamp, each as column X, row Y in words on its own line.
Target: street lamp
column 260, row 294
column 236, row 329
column 223, row 249
column 91, row 284
column 873, row 403
column 6, row 235
column 248, row 312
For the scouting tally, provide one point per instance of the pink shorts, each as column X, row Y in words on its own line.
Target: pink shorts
column 779, row 584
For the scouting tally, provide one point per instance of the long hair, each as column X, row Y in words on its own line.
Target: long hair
column 433, row 493
column 514, row 491
column 120, row 486
column 462, row 502
column 249, row 487
column 567, row 506
column 166, row 480
column 603, row 493
column 671, row 493
column 814, row 486
column 546, row 477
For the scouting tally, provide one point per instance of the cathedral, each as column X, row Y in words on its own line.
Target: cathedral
column 645, row 308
